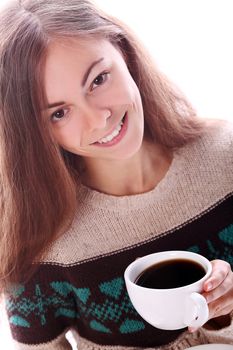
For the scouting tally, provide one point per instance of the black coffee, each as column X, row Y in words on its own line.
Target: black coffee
column 171, row 274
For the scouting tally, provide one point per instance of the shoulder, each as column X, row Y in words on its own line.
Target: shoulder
column 216, row 142
column 219, row 131
column 209, row 159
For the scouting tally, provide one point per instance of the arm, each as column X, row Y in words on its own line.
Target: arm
column 59, row 343
column 40, row 313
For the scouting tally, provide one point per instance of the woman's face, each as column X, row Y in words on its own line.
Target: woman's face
column 95, row 108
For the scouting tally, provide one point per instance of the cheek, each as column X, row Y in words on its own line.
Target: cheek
column 122, row 89
column 68, row 136
column 120, row 94
column 130, row 93
column 127, row 85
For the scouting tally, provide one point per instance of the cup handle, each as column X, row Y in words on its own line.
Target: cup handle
column 196, row 310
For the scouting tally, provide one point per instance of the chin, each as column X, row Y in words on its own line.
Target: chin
column 127, row 152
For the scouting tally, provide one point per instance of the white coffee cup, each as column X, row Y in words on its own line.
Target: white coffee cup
column 172, row 308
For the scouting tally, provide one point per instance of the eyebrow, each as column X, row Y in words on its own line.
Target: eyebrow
column 85, row 77
column 55, row 104
column 90, row 69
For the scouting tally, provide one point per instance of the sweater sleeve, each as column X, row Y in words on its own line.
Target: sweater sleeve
column 219, row 330
column 40, row 313
column 59, row 343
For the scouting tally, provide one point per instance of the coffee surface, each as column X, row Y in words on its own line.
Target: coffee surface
column 172, row 273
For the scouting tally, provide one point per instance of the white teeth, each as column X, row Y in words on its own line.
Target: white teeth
column 112, row 135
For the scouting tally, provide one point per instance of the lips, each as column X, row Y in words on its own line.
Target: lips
column 111, row 136
column 123, row 127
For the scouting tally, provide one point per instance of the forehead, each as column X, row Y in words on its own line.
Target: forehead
column 67, row 58
column 79, row 50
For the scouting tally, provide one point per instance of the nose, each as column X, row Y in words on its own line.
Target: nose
column 95, row 117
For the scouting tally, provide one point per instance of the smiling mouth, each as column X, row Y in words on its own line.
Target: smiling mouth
column 111, row 137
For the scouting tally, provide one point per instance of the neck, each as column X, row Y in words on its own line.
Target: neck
column 139, row 174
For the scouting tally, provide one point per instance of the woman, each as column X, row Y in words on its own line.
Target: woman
column 102, row 161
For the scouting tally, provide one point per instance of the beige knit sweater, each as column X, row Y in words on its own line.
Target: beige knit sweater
column 79, row 285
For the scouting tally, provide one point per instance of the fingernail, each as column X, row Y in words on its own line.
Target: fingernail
column 209, row 286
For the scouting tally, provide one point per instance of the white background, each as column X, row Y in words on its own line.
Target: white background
column 191, row 41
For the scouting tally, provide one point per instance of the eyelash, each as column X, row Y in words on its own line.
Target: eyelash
column 103, row 74
column 53, row 117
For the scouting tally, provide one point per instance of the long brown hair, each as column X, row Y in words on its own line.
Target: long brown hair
column 37, row 185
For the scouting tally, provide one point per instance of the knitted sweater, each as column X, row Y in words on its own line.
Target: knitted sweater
column 80, row 285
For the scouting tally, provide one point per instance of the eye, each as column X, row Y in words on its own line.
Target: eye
column 99, row 80
column 59, row 115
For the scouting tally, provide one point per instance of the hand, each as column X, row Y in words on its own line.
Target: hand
column 218, row 290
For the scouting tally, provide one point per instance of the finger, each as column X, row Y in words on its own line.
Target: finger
column 220, row 290
column 220, row 312
column 220, row 270
column 221, row 306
